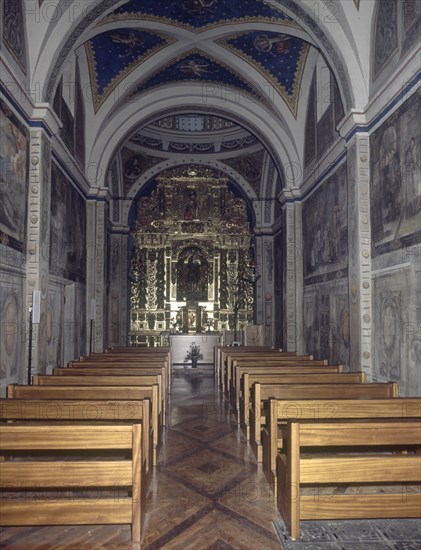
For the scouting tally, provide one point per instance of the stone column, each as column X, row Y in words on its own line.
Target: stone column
column 268, row 292
column 96, row 286
column 359, row 244
column 118, row 299
column 259, row 305
column 38, row 238
column 293, row 271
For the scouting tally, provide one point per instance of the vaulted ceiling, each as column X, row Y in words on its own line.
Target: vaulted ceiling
column 247, row 63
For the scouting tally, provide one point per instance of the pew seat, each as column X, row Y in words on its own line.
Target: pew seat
column 261, row 393
column 281, row 410
column 60, row 486
column 97, row 393
column 348, row 453
column 89, row 412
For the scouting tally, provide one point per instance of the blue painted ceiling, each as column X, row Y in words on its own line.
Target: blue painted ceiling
column 199, row 15
column 195, row 66
column 112, row 55
column 279, row 57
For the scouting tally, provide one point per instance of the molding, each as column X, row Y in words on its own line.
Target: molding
column 360, row 122
column 99, row 194
column 388, row 270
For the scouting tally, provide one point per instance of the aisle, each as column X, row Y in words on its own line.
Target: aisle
column 208, row 492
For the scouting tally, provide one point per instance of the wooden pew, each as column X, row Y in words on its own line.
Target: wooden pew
column 138, row 352
column 55, row 411
column 24, row 474
column 96, row 393
column 107, row 380
column 104, row 370
column 349, row 466
column 220, row 355
column 266, row 362
column 280, row 410
column 240, row 370
column 132, row 363
column 262, row 393
column 233, row 358
column 248, row 379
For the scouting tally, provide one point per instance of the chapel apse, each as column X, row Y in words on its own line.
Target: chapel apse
column 191, row 256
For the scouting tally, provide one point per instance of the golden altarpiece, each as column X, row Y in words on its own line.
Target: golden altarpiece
column 191, row 258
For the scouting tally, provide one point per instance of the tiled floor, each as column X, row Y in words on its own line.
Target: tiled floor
column 208, row 492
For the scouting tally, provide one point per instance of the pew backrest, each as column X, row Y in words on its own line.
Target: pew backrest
column 77, row 474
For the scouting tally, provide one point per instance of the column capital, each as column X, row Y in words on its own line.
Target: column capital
column 99, row 194
column 44, row 113
column 291, row 194
column 355, row 119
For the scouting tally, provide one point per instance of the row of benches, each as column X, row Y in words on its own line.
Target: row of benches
column 318, row 430
column 79, row 446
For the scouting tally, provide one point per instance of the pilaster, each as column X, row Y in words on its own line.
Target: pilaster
column 97, row 249
column 38, row 241
column 293, row 274
column 118, row 297
column 359, row 243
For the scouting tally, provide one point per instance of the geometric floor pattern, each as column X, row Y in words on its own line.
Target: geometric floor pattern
column 373, row 534
column 208, row 493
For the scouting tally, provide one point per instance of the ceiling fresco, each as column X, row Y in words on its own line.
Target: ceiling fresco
column 112, row 55
column 199, row 15
column 194, row 66
column 279, row 57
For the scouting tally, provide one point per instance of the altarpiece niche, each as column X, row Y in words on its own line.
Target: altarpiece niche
column 190, row 259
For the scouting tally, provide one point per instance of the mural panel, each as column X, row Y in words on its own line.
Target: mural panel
column 54, row 327
column 396, row 180
column 411, row 16
column 390, row 301
column 310, row 136
column 250, row 167
column 325, row 226
column 396, row 323
column 325, row 131
column 11, row 324
column 67, row 229
column 14, row 148
column 14, row 31
column 327, row 321
column 385, row 34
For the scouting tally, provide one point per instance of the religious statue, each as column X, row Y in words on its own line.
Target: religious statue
column 190, row 209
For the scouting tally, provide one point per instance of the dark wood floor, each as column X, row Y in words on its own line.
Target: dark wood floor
column 207, row 491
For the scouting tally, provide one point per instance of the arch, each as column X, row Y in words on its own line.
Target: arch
column 254, row 117
column 317, row 30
